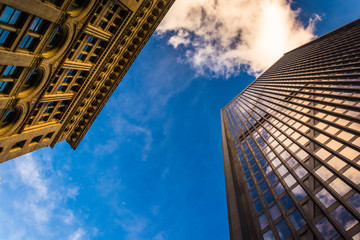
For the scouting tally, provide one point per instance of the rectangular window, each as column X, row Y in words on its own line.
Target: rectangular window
column 37, row 25
column 4, row 34
column 28, row 42
column 10, row 15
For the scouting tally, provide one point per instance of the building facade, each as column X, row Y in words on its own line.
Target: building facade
column 60, row 61
column 291, row 145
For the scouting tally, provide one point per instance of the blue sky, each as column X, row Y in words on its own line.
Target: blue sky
column 150, row 166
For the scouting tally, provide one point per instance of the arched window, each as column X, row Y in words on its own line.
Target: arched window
column 57, row 39
column 9, row 118
column 32, row 80
column 9, row 75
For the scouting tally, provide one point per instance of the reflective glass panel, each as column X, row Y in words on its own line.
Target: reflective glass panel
column 274, row 211
column 254, row 193
column 325, row 198
column 346, row 220
column 268, row 197
column 287, row 202
column 283, row 230
column 263, row 220
column 272, row 178
column 299, row 192
column 279, row 189
column 296, row 219
column 326, row 229
column 354, row 201
column 269, row 235
column 258, row 205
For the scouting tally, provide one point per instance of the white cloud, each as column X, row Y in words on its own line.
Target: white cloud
column 160, row 236
column 77, row 235
column 34, row 199
column 224, row 37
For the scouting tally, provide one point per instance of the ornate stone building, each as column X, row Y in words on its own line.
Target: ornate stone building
column 60, row 61
column 291, row 144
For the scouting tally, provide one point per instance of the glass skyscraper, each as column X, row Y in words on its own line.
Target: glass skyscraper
column 291, row 144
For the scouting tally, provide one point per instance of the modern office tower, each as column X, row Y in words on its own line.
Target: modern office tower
column 60, row 61
column 291, row 144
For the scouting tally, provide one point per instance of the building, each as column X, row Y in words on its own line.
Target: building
column 291, row 145
column 60, row 61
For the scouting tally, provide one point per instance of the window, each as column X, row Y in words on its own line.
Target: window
column 36, row 139
column 283, row 230
column 269, row 235
column 263, row 186
column 326, row 229
column 268, row 197
column 275, row 212
column 346, row 220
column 296, row 219
column 9, row 118
column 254, row 193
column 340, row 187
column 325, row 198
column 272, row 178
column 289, row 180
column 18, row 145
column 37, row 25
column 287, row 202
column 263, row 220
column 10, row 15
column 354, row 201
column 4, row 36
column 56, row 40
column 258, row 206
column 9, row 71
column 279, row 189
column 299, row 192
column 28, row 43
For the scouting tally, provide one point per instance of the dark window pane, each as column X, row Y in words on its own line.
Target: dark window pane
column 268, row 197
column 287, row 202
column 3, row 36
column 255, row 169
column 263, row 186
column 258, row 205
column 283, row 230
column 296, row 219
column 250, row 183
column 247, row 174
column 252, row 162
column 254, row 193
column 259, row 176
column 245, row 168
column 272, row 178
column 263, row 162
